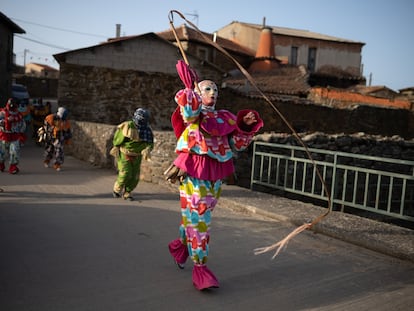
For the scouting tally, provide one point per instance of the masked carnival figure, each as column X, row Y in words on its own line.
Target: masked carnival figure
column 12, row 135
column 207, row 138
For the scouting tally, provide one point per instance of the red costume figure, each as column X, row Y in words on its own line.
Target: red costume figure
column 12, row 128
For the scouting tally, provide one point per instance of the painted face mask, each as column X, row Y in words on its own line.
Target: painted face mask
column 62, row 113
column 141, row 120
column 208, row 93
column 141, row 117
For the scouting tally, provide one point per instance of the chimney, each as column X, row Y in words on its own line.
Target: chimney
column 266, row 48
column 265, row 59
column 215, row 36
column 118, row 31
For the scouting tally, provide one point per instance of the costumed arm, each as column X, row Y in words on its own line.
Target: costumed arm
column 117, row 142
column 67, row 132
column 44, row 133
column 248, row 124
column 148, row 142
column 22, row 136
column 146, row 153
column 17, row 127
column 2, row 121
column 119, row 136
column 189, row 102
column 48, row 123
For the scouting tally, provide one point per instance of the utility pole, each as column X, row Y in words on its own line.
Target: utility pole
column 24, row 57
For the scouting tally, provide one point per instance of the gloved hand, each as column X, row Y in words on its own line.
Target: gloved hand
column 114, row 151
column 173, row 173
column 146, row 154
column 41, row 134
column 186, row 74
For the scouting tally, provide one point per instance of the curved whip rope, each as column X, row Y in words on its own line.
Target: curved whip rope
column 282, row 243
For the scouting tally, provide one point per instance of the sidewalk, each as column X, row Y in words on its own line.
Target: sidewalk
column 377, row 236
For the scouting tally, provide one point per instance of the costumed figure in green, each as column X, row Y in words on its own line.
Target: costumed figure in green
column 133, row 141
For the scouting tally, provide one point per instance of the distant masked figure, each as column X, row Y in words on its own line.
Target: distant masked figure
column 12, row 135
column 55, row 133
column 133, row 141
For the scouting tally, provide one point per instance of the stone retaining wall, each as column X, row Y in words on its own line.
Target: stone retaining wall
column 92, row 141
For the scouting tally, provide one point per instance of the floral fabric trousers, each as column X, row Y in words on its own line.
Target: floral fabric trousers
column 54, row 148
column 10, row 148
column 129, row 169
column 198, row 199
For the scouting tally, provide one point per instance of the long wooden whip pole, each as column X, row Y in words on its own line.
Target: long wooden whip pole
column 180, row 46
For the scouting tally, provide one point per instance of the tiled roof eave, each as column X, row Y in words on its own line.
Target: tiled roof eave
column 274, row 94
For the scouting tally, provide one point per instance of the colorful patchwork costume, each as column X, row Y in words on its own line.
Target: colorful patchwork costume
column 207, row 139
column 57, row 133
column 133, row 141
column 12, row 134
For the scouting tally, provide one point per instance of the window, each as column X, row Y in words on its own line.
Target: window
column 202, row 53
column 312, row 59
column 294, row 55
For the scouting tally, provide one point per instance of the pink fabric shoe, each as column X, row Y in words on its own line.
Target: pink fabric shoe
column 179, row 252
column 203, row 278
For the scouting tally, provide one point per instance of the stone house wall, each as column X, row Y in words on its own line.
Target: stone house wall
column 305, row 116
column 337, row 52
column 145, row 53
column 39, row 87
column 104, row 95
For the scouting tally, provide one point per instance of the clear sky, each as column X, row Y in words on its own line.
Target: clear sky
column 385, row 26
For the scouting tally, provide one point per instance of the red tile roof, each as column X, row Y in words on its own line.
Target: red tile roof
column 285, row 80
column 45, row 67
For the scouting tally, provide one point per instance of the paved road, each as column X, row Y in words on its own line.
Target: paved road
column 66, row 244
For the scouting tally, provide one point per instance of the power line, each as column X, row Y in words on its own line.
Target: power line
column 36, row 57
column 42, row 43
column 60, row 29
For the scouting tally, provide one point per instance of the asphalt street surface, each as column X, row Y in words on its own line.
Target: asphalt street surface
column 66, row 244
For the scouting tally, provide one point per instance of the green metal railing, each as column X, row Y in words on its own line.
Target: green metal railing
column 375, row 184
